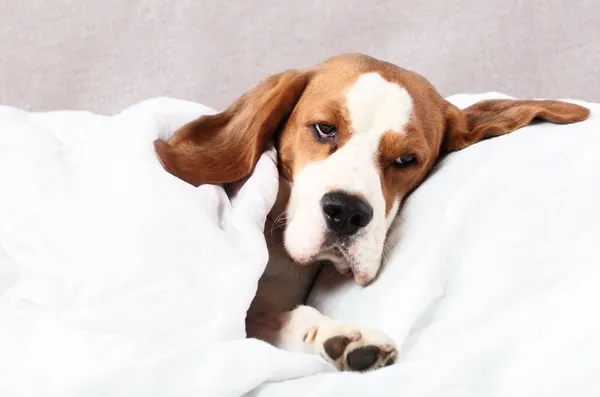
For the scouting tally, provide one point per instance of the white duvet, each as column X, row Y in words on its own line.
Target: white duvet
column 491, row 290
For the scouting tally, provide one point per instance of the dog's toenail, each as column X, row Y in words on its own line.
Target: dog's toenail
column 311, row 335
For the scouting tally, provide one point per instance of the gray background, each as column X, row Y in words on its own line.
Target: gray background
column 105, row 55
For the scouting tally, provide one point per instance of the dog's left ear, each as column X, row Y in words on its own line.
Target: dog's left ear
column 491, row 118
column 224, row 147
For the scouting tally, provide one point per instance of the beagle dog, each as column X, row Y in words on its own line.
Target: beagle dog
column 354, row 135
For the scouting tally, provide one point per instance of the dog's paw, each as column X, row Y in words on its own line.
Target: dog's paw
column 352, row 349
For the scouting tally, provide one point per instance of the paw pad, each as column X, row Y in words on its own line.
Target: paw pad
column 362, row 358
column 335, row 347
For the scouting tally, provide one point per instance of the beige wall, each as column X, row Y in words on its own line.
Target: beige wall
column 104, row 55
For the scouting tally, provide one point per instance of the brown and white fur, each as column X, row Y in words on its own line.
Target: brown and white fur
column 355, row 135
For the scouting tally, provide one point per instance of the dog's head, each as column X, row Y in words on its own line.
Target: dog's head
column 355, row 135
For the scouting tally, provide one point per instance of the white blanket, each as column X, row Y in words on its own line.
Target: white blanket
column 493, row 286
column 491, row 290
column 113, row 277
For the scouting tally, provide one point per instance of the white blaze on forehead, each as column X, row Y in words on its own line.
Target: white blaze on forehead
column 377, row 105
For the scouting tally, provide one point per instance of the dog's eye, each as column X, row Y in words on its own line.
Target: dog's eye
column 405, row 161
column 323, row 132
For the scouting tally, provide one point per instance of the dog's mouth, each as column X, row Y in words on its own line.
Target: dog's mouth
column 338, row 253
column 337, row 257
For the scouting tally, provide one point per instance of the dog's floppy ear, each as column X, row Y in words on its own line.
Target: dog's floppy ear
column 491, row 118
column 225, row 147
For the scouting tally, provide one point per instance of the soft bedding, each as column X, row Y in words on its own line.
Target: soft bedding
column 490, row 288
column 116, row 278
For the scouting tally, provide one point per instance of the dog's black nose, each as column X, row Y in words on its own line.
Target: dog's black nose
column 345, row 214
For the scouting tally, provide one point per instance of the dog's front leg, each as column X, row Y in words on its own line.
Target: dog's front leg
column 305, row 329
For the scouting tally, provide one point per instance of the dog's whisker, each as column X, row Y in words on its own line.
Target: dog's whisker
column 282, row 215
column 273, row 228
column 281, row 219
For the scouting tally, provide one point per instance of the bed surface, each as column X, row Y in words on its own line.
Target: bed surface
column 106, row 290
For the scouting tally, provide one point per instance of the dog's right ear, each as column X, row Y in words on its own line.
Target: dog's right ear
column 225, row 147
column 496, row 117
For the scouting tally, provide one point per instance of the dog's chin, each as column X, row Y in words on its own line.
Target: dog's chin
column 338, row 259
column 355, row 262
column 306, row 244
column 334, row 256
column 351, row 262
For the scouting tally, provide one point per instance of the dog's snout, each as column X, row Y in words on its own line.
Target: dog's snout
column 345, row 214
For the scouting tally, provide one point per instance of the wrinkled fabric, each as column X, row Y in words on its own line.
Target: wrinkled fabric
column 117, row 279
